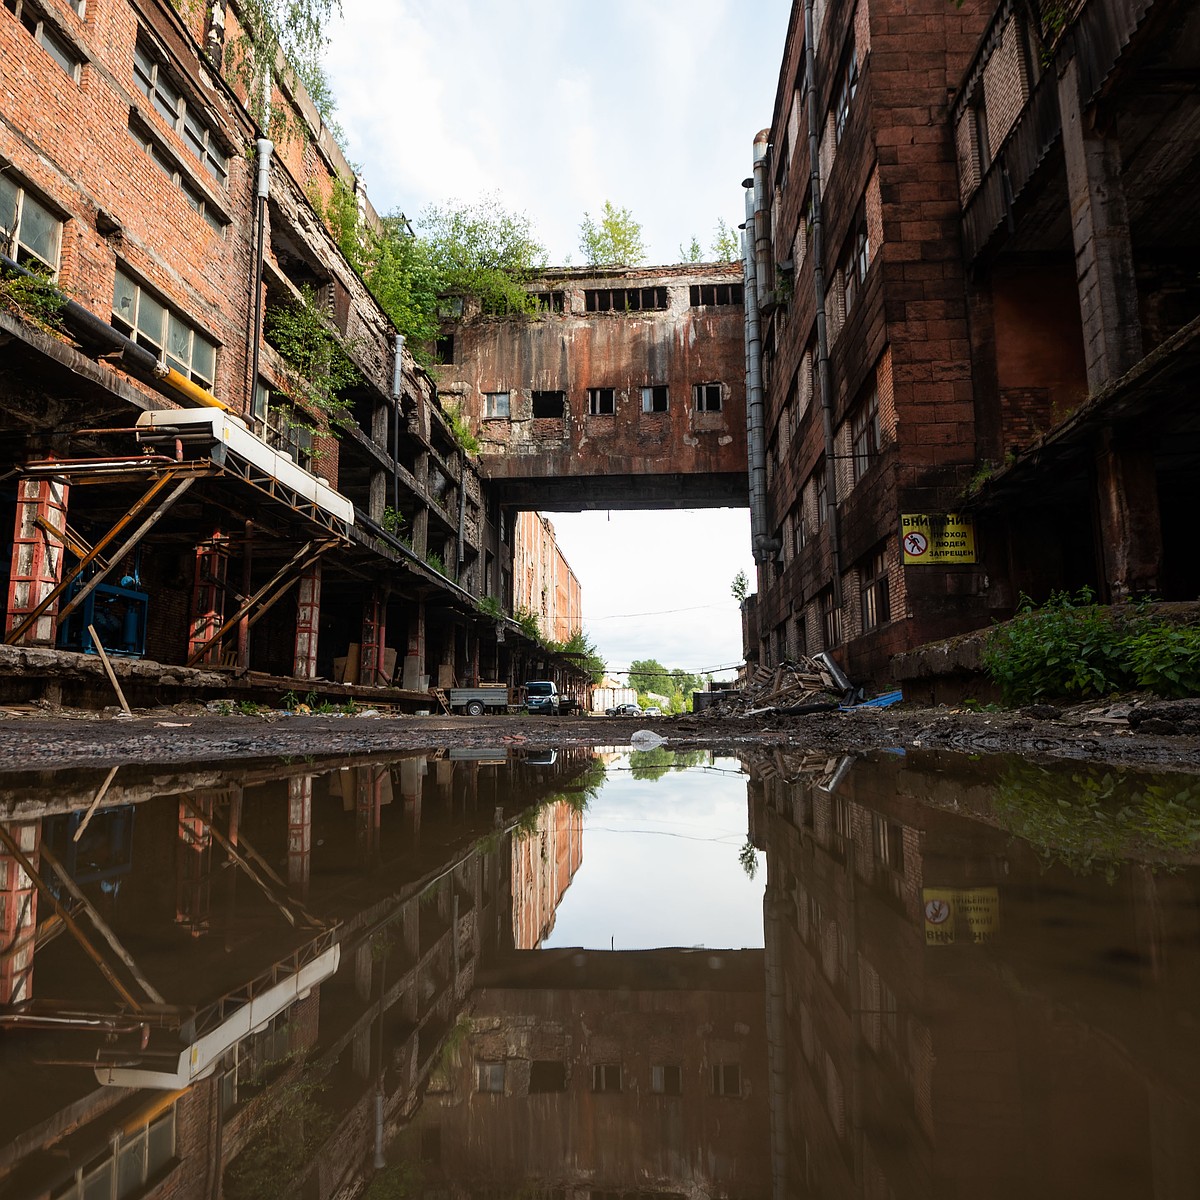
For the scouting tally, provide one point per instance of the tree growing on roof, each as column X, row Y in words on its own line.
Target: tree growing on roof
column 613, row 241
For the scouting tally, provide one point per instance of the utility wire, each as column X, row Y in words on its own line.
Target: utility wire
column 663, row 612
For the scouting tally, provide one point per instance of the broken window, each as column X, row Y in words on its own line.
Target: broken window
column 654, row 398
column 547, row 1075
column 606, row 1077
column 444, row 348
column 549, row 404
column 152, row 324
column 624, row 299
column 46, row 35
column 495, row 406
column 667, row 1080
column 865, row 434
column 726, row 1079
column 490, row 1077
column 166, row 163
column 29, row 232
column 707, row 397
column 831, row 619
column 282, row 425
column 550, row 301
column 601, row 401
column 151, row 76
column 844, row 93
column 876, row 601
column 820, row 484
column 703, row 294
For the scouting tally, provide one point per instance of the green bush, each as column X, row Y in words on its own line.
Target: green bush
column 1073, row 647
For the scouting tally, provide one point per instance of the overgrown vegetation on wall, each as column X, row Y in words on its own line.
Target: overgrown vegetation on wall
column 1073, row 647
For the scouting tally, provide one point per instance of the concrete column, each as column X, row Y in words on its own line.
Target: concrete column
column 18, row 914
column 299, row 852
column 1130, row 526
column 308, row 617
column 1108, row 295
column 193, row 866
column 414, row 657
column 37, row 557
column 208, row 593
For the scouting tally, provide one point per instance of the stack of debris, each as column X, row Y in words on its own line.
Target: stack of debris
column 815, row 684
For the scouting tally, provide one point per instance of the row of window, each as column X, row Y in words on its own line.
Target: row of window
column 551, row 1076
column 46, row 35
column 126, row 1167
column 497, row 406
column 648, row 299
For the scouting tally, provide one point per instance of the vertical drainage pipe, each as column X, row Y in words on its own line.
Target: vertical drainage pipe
column 817, row 253
column 754, row 389
column 261, row 191
column 397, row 394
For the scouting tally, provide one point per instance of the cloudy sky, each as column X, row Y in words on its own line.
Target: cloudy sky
column 556, row 107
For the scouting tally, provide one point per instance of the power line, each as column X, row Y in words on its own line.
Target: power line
column 665, row 612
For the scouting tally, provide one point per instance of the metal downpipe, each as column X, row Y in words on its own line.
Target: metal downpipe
column 817, row 253
column 262, row 190
column 754, row 395
column 397, row 396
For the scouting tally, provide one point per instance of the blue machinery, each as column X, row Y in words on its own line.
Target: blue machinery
column 118, row 614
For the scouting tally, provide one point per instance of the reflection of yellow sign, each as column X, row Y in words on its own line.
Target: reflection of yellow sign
column 974, row 911
column 937, row 538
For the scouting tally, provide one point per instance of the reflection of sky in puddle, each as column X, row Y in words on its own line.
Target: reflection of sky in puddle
column 660, row 864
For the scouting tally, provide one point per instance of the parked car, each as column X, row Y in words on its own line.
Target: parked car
column 541, row 696
column 624, row 710
column 652, row 711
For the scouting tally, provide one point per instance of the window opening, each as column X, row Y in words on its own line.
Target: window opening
column 46, row 36
column 846, row 89
column 654, row 399
column 606, row 1077
column 550, row 301
column 876, row 600
column 602, row 401
column 625, row 299
column 667, row 1080
column 547, row 1075
column 549, row 404
column 490, row 1077
column 164, row 161
column 726, row 1079
column 150, row 323
column 707, row 397
column 831, row 619
column 704, row 294
column 29, row 232
column 865, row 434
column 282, row 425
column 444, row 348
column 495, row 406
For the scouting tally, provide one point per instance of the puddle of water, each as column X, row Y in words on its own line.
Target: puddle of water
column 901, row 977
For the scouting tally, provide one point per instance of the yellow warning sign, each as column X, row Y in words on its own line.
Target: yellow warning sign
column 937, row 538
column 968, row 911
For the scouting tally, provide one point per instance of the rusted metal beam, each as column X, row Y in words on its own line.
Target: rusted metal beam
column 303, row 558
column 93, row 556
column 68, row 920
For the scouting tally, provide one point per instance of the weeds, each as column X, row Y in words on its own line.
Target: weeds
column 32, row 299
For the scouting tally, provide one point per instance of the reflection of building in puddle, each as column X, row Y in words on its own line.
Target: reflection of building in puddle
column 314, row 942
column 585, row 1073
column 544, row 863
column 948, row 1018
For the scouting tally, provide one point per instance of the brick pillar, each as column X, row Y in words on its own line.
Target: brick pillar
column 1108, row 295
column 412, row 772
column 299, row 843
column 37, row 557
column 308, row 616
column 374, row 638
column 208, row 593
column 414, row 657
column 18, row 914
column 193, row 866
column 1130, row 527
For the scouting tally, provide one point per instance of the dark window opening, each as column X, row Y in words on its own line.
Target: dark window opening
column 831, row 619
column 444, row 348
column 654, row 399
column 625, row 299
column 547, row 1076
column 707, row 397
column 847, row 87
column 716, row 293
column 550, row 301
column 726, row 1079
column 865, row 434
column 490, row 1077
column 606, row 1077
column 549, row 404
column 602, row 401
column 876, row 599
column 667, row 1080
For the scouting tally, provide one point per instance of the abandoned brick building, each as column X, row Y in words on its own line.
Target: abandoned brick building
column 971, row 261
column 167, row 478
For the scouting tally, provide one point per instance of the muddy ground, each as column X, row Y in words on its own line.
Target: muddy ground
column 1159, row 735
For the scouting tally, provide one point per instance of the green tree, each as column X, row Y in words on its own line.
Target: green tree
column 726, row 246
column 483, row 250
column 614, row 241
column 740, row 586
column 648, row 675
column 693, row 253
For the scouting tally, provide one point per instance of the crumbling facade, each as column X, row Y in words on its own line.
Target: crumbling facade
column 220, row 417
column 625, row 389
column 971, row 301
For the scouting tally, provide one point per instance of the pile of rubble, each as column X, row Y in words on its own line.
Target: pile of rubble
column 809, row 685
